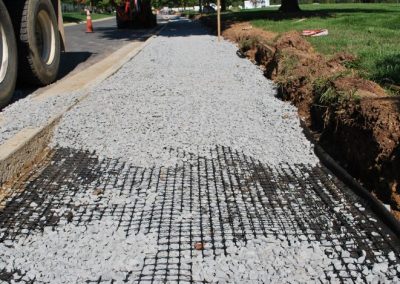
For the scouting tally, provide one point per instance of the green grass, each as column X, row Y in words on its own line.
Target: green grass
column 369, row 31
column 78, row 17
column 189, row 12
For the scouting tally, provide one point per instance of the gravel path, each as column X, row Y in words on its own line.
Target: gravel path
column 186, row 91
column 200, row 175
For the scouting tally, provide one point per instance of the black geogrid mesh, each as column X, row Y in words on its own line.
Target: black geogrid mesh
column 228, row 196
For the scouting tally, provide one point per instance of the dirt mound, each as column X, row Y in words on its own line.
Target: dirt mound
column 355, row 119
column 238, row 32
column 360, row 87
column 365, row 136
column 293, row 40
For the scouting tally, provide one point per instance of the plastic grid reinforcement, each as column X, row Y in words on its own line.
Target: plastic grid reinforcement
column 218, row 198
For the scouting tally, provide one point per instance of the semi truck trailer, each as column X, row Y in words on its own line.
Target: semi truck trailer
column 31, row 40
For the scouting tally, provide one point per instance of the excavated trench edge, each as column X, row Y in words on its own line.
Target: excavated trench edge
column 376, row 205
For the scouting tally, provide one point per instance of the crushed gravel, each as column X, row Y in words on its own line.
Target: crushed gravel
column 186, row 91
column 123, row 226
column 31, row 113
column 272, row 260
column 73, row 254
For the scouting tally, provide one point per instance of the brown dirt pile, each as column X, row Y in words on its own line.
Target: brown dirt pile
column 365, row 137
column 355, row 120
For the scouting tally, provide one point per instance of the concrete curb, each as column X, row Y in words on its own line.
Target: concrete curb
column 20, row 151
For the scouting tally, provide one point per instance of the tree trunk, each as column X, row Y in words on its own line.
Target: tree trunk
column 289, row 6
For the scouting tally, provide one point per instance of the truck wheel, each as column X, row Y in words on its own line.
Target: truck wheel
column 8, row 57
column 39, row 43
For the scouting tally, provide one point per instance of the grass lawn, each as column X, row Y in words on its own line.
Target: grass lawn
column 189, row 12
column 370, row 31
column 78, row 17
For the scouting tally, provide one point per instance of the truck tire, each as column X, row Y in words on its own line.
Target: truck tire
column 8, row 57
column 38, row 42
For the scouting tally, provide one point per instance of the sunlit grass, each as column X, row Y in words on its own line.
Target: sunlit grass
column 369, row 31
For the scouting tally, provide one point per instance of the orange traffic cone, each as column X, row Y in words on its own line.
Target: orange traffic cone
column 89, row 24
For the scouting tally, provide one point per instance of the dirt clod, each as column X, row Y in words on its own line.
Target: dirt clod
column 70, row 217
column 98, row 191
column 198, row 246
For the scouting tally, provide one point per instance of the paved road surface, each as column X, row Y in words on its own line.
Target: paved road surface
column 85, row 49
column 183, row 167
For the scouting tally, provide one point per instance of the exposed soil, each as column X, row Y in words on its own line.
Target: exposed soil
column 354, row 119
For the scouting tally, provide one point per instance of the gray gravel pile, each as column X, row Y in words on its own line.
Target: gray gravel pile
column 186, row 91
column 31, row 113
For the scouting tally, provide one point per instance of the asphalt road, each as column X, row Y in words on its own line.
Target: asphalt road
column 84, row 49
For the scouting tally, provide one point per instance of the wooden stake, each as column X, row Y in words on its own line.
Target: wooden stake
column 219, row 19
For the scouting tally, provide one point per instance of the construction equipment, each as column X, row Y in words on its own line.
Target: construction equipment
column 134, row 14
column 31, row 39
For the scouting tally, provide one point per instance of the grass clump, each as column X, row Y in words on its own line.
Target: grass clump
column 327, row 94
column 289, row 62
column 246, row 44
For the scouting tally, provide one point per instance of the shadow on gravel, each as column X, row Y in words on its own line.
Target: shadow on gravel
column 22, row 92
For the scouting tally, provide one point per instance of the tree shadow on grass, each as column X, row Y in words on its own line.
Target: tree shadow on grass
column 275, row 15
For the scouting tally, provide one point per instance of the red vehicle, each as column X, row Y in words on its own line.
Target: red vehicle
column 31, row 39
column 134, row 14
